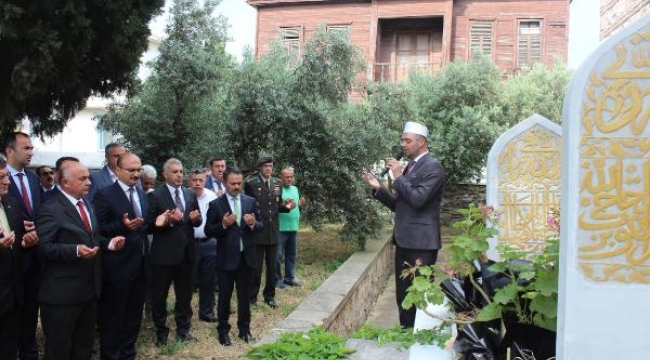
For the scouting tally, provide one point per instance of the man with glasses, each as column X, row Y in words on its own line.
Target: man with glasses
column 46, row 175
column 122, row 210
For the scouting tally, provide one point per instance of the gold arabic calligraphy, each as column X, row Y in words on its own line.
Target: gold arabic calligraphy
column 614, row 214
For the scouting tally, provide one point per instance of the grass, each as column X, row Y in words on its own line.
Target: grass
column 319, row 254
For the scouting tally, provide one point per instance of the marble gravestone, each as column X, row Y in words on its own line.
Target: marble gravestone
column 604, row 284
column 523, row 184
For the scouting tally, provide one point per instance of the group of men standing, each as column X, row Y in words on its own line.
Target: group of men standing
column 85, row 250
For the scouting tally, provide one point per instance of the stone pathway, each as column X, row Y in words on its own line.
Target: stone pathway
column 383, row 315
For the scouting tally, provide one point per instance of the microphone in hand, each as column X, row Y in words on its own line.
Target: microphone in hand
column 398, row 156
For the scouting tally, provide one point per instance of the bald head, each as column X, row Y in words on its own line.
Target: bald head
column 75, row 179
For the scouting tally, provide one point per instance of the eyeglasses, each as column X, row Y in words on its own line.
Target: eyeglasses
column 133, row 171
column 47, row 172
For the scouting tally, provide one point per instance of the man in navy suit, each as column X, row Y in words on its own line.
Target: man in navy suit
column 416, row 203
column 25, row 187
column 122, row 210
column 11, row 277
column 233, row 218
column 107, row 175
column 215, row 180
column 173, row 253
column 71, row 281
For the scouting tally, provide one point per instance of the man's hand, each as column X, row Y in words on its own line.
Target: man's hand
column 195, row 215
column 249, row 219
column 85, row 252
column 163, row 219
column 132, row 224
column 116, row 243
column 29, row 226
column 371, row 180
column 302, row 201
column 7, row 240
column 175, row 216
column 228, row 220
column 395, row 167
column 290, row 204
column 30, row 239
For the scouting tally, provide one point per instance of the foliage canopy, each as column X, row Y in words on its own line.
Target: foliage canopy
column 55, row 54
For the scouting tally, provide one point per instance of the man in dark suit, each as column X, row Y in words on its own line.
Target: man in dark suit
column 71, row 282
column 173, row 251
column 265, row 189
column 416, row 203
column 122, row 210
column 107, row 175
column 60, row 163
column 233, row 218
column 214, row 182
column 25, row 187
column 11, row 276
column 46, row 176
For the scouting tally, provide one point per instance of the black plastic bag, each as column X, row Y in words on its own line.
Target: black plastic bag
column 529, row 341
column 478, row 341
column 454, row 291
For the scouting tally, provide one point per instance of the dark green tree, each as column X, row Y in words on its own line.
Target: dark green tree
column 55, row 54
column 538, row 90
column 180, row 109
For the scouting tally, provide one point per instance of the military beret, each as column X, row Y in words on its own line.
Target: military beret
column 264, row 160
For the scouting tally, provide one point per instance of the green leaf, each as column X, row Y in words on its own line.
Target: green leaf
column 490, row 312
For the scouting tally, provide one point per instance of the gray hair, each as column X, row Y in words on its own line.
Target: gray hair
column 171, row 161
column 149, row 171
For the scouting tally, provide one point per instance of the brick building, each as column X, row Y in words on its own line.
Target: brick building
column 398, row 35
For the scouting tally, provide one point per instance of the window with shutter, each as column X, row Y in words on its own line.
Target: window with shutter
column 481, row 37
column 341, row 30
column 290, row 37
column 530, row 43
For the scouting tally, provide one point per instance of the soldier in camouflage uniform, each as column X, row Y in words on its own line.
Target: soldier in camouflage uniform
column 266, row 190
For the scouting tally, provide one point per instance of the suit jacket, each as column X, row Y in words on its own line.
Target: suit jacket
column 111, row 203
column 67, row 279
column 11, row 276
column 228, row 250
column 171, row 242
column 100, row 179
column 270, row 204
column 49, row 195
column 210, row 185
column 35, row 190
column 417, row 205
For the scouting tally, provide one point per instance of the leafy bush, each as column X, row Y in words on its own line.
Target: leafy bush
column 314, row 344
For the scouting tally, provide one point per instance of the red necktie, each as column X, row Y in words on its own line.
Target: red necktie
column 84, row 216
column 23, row 190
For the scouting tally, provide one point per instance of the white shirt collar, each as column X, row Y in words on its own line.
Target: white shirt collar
column 420, row 156
column 13, row 171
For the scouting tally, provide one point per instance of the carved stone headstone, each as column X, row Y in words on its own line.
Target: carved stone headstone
column 524, row 167
column 605, row 230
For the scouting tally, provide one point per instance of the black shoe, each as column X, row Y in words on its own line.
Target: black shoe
column 208, row 319
column 292, row 283
column 271, row 303
column 224, row 339
column 247, row 337
column 161, row 340
column 187, row 337
column 253, row 302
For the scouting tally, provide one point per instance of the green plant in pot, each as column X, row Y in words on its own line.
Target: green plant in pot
column 494, row 301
